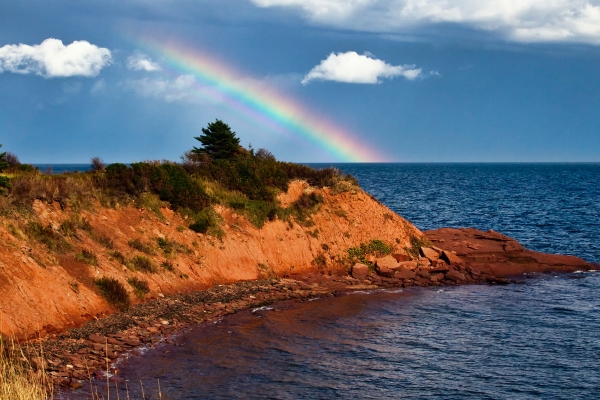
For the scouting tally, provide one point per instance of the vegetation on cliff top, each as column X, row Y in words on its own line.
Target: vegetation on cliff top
column 220, row 172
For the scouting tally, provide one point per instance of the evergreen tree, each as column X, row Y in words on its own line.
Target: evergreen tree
column 218, row 141
column 4, row 183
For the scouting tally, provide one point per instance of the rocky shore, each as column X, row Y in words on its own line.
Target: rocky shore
column 458, row 256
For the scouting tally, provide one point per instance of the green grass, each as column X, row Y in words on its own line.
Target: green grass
column 87, row 256
column 140, row 287
column 117, row 255
column 113, row 291
column 46, row 235
column 375, row 247
column 142, row 246
column 142, row 263
column 415, row 246
column 168, row 266
column 171, row 247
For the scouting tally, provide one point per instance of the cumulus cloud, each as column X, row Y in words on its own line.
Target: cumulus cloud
column 141, row 62
column 52, row 59
column 178, row 89
column 518, row 20
column 351, row 67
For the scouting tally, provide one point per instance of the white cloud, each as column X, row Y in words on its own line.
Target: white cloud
column 518, row 20
column 352, row 67
column 141, row 62
column 179, row 89
column 52, row 59
column 99, row 87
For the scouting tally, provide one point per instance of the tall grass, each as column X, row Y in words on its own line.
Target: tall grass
column 19, row 380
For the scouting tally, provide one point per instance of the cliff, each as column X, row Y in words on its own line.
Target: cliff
column 47, row 285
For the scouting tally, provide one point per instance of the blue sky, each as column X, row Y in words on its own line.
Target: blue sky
column 412, row 80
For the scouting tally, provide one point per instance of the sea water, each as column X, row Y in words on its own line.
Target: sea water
column 535, row 340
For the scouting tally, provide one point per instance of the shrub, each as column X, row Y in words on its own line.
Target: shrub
column 142, row 246
column 113, row 291
column 415, row 245
column 104, row 241
column 117, row 255
column 70, row 227
column 320, row 261
column 171, row 247
column 140, row 287
column 87, row 256
column 168, row 266
column 303, row 208
column 144, row 264
column 46, row 235
column 375, row 247
column 97, row 164
column 208, row 222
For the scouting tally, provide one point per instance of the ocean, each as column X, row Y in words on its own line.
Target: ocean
column 534, row 340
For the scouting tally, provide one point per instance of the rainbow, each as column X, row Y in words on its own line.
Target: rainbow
column 261, row 103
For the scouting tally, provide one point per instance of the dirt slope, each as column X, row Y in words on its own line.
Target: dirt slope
column 44, row 291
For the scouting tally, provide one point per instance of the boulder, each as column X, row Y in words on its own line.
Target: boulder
column 400, row 257
column 430, row 253
column 424, row 262
column 360, row 271
column 451, row 258
column 404, row 273
column 385, row 266
column 408, row 264
column 454, row 275
column 423, row 273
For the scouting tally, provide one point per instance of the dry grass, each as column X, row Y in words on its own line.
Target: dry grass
column 19, row 379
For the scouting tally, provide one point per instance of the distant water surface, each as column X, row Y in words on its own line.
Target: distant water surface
column 552, row 208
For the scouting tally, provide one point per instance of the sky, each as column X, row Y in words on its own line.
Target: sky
column 310, row 80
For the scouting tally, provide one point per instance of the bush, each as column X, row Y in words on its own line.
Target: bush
column 113, row 291
column 170, row 247
column 168, row 266
column 87, row 256
column 208, row 222
column 142, row 246
column 46, row 235
column 415, row 246
column 375, row 247
column 140, row 287
column 302, row 209
column 144, row 264
column 117, row 255
column 70, row 227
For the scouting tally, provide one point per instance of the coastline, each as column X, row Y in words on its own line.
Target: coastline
column 90, row 351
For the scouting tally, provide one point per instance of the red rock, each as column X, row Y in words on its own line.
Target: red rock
column 451, row 258
column 360, row 271
column 409, row 264
column 437, row 277
column 94, row 338
column 429, row 253
column 385, row 266
column 404, row 273
column 400, row 257
column 455, row 276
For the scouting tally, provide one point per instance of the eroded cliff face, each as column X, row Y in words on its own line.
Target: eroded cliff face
column 45, row 291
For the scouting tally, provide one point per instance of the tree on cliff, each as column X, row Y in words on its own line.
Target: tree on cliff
column 218, row 141
column 4, row 183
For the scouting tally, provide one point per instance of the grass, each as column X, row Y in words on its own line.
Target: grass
column 320, row 261
column 113, row 291
column 142, row 263
column 140, row 287
column 87, row 256
column 117, row 255
column 375, row 247
column 104, row 241
column 69, row 228
column 142, row 246
column 168, row 266
column 171, row 248
column 302, row 209
column 415, row 246
column 19, row 380
column 48, row 236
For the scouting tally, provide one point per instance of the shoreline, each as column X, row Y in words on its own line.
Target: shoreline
column 88, row 352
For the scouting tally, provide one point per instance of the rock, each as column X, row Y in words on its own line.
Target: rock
column 360, row 271
column 385, row 266
column 408, row 264
column 97, row 338
column 423, row 273
column 429, row 253
column 451, row 258
column 404, row 273
column 424, row 262
column 400, row 257
column 455, row 276
column 362, row 287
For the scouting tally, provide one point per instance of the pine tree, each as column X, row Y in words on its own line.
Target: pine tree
column 218, row 141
